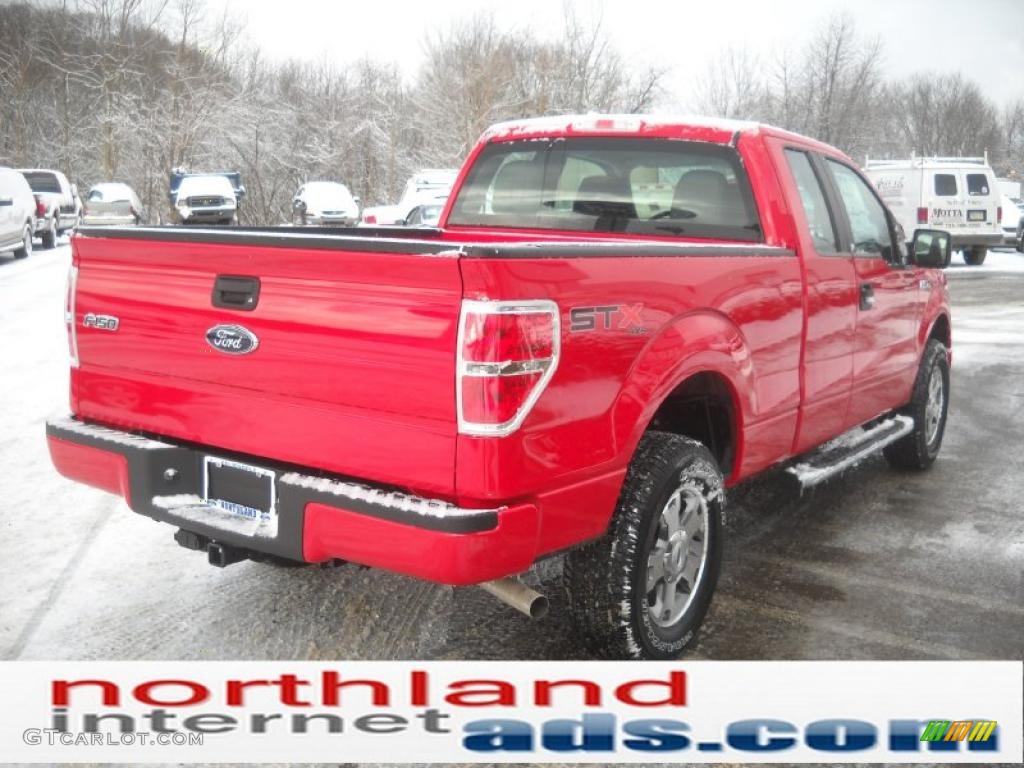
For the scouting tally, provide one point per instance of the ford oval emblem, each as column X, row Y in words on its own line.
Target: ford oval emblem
column 232, row 339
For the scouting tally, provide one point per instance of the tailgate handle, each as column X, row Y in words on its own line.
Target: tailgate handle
column 234, row 292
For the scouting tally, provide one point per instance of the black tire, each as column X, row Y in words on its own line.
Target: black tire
column 26, row 244
column 49, row 237
column 917, row 451
column 612, row 614
column 975, row 256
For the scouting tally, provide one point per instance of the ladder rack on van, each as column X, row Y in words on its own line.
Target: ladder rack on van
column 920, row 162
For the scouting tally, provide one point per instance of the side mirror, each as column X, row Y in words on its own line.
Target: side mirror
column 401, row 222
column 356, row 200
column 931, row 248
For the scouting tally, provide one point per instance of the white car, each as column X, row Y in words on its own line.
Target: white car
column 324, row 203
column 956, row 194
column 425, row 187
column 206, row 199
column 59, row 202
column 425, row 215
column 111, row 203
column 1013, row 211
column 17, row 214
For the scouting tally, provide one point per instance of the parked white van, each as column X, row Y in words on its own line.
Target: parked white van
column 955, row 194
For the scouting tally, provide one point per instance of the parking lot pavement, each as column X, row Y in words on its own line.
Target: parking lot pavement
column 875, row 565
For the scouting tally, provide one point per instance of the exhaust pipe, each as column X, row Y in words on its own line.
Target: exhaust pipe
column 513, row 592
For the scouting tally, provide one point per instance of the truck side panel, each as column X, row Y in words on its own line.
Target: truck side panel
column 739, row 315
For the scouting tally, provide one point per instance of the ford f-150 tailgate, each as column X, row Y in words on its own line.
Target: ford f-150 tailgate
column 306, row 350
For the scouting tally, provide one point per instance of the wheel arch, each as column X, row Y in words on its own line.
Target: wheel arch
column 942, row 330
column 696, row 379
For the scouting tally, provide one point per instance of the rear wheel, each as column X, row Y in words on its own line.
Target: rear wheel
column 50, row 235
column 26, row 244
column 975, row 256
column 928, row 407
column 642, row 590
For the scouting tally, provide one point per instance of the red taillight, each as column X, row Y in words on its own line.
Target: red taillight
column 40, row 209
column 370, row 219
column 922, row 215
column 508, row 351
column 999, row 215
column 69, row 314
column 495, row 399
column 496, row 338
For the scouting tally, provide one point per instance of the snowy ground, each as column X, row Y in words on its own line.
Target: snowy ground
column 1002, row 260
column 873, row 565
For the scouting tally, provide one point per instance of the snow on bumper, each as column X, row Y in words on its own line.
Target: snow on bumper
column 318, row 518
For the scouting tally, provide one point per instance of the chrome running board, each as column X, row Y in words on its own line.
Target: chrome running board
column 848, row 450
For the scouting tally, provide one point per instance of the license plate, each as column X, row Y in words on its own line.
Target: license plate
column 243, row 490
column 976, row 216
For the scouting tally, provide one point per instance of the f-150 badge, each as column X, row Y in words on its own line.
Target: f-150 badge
column 103, row 322
column 232, row 339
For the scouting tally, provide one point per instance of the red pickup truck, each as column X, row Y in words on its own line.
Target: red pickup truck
column 617, row 319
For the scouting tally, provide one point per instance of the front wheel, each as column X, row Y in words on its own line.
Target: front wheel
column 928, row 407
column 26, row 244
column 975, row 256
column 641, row 591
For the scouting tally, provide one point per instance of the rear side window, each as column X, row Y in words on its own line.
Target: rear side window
column 977, row 184
column 819, row 217
column 945, row 184
column 660, row 187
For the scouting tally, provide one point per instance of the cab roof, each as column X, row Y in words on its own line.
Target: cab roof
column 693, row 127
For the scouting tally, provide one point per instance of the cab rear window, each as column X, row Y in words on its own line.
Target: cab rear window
column 659, row 187
column 43, row 182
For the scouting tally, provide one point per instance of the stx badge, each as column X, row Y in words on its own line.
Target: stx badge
column 621, row 317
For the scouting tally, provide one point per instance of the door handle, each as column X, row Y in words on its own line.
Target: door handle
column 236, row 292
column 867, row 296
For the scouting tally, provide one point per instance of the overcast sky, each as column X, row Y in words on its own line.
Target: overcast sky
column 982, row 38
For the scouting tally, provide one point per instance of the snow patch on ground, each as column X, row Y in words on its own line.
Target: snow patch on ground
column 988, row 335
column 996, row 261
